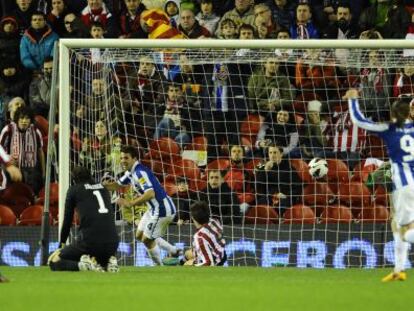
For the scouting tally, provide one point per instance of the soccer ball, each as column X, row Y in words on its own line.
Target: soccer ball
column 318, row 168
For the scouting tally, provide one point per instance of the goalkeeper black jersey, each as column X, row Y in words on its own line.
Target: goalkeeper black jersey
column 97, row 220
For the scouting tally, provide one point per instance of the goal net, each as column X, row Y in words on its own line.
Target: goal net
column 261, row 134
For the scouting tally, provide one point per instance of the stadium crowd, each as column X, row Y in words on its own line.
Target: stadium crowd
column 258, row 124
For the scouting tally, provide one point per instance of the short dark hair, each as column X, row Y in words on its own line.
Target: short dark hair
column 247, row 27
column 48, row 59
column 200, row 212
column 81, row 174
column 131, row 150
column 24, row 111
column 97, row 25
column 400, row 110
column 38, row 13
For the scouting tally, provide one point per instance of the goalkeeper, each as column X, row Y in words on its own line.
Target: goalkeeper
column 99, row 239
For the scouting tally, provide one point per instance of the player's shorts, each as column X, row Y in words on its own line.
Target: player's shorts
column 154, row 226
column 403, row 201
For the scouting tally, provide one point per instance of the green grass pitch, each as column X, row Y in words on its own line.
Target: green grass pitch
column 188, row 288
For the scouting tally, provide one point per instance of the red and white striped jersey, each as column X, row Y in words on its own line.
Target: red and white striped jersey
column 347, row 136
column 209, row 244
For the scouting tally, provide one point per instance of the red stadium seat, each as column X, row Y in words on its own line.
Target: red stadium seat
column 381, row 196
column 16, row 191
column 375, row 147
column 302, row 169
column 299, row 214
column 251, row 125
column 247, row 197
column 164, row 148
column 354, row 194
column 7, row 216
column 335, row 214
column 318, row 194
column 218, row 164
column 185, row 168
column 261, row 214
column 54, row 194
column 377, row 213
column 170, row 187
column 42, row 124
column 198, row 143
column 337, row 170
column 31, row 216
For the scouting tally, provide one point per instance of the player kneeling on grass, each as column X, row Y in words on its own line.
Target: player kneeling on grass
column 99, row 239
column 208, row 242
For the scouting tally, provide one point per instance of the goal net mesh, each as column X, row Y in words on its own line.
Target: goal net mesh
column 238, row 129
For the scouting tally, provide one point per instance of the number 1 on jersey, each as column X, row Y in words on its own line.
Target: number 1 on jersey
column 102, row 209
column 407, row 145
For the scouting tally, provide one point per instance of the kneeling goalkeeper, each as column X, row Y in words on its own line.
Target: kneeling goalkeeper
column 99, row 240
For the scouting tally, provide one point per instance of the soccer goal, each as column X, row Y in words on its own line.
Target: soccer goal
column 258, row 128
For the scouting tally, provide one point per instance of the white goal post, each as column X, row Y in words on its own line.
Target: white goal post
column 65, row 46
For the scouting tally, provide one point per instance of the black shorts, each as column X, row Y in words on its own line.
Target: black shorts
column 101, row 252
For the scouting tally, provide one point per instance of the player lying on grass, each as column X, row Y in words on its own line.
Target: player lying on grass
column 208, row 242
column 398, row 135
column 99, row 239
column 161, row 209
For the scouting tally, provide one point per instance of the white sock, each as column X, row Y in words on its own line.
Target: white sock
column 171, row 249
column 400, row 253
column 155, row 255
column 409, row 236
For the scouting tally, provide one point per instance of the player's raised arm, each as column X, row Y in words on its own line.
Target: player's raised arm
column 358, row 118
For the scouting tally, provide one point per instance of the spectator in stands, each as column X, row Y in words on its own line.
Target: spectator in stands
column 183, row 198
column 228, row 105
column 129, row 20
column 157, row 24
column 277, row 183
column 346, row 141
column 283, row 12
column 389, row 17
column 266, row 26
column 316, row 75
column 314, row 140
column 37, row 43
column 375, row 85
column 283, row 34
column 303, row 28
column 23, row 14
column 95, row 153
column 56, row 16
column 227, row 30
column 13, row 105
column 14, row 81
column 74, row 28
column 9, row 40
column 269, row 89
column 96, row 11
column 172, row 8
column 247, row 32
column 243, row 13
column 280, row 128
column 172, row 125
column 207, row 17
column 23, row 141
column 149, row 95
column 342, row 27
column 404, row 80
column 193, row 82
column 237, row 177
column 39, row 91
column 190, row 26
column 222, row 200
column 96, row 31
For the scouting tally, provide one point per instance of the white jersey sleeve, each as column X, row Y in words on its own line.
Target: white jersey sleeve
column 361, row 121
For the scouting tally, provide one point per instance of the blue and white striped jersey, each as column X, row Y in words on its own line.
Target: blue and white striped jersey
column 399, row 142
column 143, row 179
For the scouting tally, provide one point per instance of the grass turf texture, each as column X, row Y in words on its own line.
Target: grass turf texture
column 188, row 288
